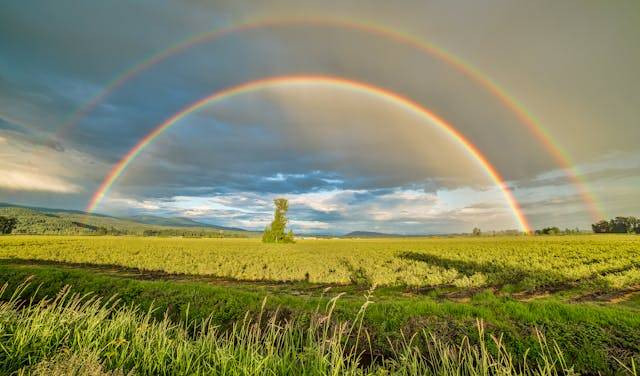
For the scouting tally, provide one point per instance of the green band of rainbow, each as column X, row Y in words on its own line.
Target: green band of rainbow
column 525, row 117
column 337, row 82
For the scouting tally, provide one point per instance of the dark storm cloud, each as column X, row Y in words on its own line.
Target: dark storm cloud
column 92, row 40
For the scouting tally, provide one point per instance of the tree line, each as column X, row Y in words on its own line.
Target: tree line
column 188, row 233
column 553, row 230
column 617, row 225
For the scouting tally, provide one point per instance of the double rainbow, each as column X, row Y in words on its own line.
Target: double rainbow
column 524, row 116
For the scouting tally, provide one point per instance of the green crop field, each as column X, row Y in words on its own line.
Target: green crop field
column 517, row 263
column 579, row 292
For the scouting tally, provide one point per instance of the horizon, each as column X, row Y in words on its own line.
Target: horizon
column 210, row 222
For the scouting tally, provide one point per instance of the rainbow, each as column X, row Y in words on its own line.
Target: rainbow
column 342, row 83
column 525, row 117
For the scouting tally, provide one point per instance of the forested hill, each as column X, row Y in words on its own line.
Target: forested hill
column 46, row 221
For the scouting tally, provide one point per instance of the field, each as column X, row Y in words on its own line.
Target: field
column 580, row 292
column 517, row 263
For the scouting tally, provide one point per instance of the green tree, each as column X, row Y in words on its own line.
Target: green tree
column 549, row 231
column 601, row 227
column 275, row 232
column 633, row 225
column 476, row 232
column 618, row 225
column 7, row 225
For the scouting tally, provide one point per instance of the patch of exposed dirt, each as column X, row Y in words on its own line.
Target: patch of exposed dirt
column 300, row 287
column 614, row 297
column 305, row 288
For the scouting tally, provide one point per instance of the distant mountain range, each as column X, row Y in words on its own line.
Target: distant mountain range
column 178, row 222
column 369, row 234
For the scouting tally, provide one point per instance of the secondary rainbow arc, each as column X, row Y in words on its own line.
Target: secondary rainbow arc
column 525, row 117
column 119, row 168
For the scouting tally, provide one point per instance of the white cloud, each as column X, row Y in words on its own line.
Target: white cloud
column 399, row 210
column 146, row 205
column 325, row 201
column 29, row 165
column 310, row 225
column 34, row 181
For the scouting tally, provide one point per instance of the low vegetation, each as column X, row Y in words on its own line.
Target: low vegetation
column 511, row 263
column 579, row 291
column 85, row 335
column 591, row 336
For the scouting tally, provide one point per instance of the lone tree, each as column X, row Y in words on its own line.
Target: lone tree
column 7, row 225
column 275, row 232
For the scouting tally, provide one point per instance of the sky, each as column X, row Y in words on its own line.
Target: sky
column 346, row 159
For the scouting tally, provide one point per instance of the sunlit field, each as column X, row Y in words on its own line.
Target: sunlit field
column 569, row 302
column 516, row 263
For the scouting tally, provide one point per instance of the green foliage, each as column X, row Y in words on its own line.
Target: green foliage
column 7, row 225
column 85, row 335
column 557, row 231
column 548, row 231
column 275, row 232
column 476, row 232
column 587, row 333
column 29, row 221
column 618, row 225
column 523, row 263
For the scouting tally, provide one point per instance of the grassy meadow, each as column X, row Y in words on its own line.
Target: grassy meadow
column 547, row 305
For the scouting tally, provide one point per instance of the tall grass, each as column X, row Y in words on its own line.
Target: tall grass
column 73, row 334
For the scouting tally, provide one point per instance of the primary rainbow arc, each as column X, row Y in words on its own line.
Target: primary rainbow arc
column 338, row 82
